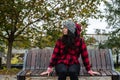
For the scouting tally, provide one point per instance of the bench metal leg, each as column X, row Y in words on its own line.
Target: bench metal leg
column 20, row 77
column 117, row 77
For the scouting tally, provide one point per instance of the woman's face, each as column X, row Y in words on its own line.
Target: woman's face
column 65, row 30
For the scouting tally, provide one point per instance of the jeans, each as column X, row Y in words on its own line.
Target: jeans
column 72, row 71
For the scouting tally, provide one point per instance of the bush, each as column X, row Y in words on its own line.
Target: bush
column 118, row 69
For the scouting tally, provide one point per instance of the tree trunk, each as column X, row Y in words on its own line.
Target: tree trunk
column 9, row 54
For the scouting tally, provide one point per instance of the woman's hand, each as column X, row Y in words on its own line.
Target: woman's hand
column 48, row 71
column 93, row 72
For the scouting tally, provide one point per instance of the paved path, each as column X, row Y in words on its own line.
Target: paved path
column 8, row 77
column 13, row 77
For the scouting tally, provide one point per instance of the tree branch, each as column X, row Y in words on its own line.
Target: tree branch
column 3, row 36
column 43, row 17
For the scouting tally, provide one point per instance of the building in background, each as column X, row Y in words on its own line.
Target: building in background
column 97, row 39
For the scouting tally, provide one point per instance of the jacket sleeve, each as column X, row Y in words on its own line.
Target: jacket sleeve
column 84, row 55
column 55, row 54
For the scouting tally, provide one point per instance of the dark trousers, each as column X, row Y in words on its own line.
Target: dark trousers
column 72, row 71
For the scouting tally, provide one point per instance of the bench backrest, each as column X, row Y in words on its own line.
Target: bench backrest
column 39, row 59
column 100, row 59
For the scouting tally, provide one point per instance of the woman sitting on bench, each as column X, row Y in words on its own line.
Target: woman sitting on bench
column 66, row 53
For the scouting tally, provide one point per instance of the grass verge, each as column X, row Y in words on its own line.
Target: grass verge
column 12, row 71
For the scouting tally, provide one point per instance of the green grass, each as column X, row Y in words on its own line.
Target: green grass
column 118, row 69
column 12, row 71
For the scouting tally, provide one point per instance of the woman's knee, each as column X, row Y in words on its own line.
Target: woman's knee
column 61, row 68
column 74, row 69
column 73, row 72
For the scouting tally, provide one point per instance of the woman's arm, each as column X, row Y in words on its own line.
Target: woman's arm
column 85, row 58
column 55, row 54
column 53, row 59
column 84, row 55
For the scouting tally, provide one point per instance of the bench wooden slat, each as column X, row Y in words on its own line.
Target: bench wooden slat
column 92, row 58
column 98, row 60
column 37, row 59
column 28, row 61
column 103, row 62
column 108, row 60
column 102, row 73
column 23, row 72
column 34, row 72
column 114, row 72
column 108, row 72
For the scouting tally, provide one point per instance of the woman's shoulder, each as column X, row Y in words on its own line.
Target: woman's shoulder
column 79, row 39
column 59, row 39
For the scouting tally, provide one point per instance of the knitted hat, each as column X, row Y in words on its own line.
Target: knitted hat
column 70, row 25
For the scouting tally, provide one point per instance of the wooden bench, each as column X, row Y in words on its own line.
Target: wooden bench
column 37, row 60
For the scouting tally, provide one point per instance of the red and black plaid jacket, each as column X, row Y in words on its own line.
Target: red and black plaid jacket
column 72, row 56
